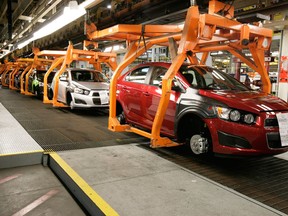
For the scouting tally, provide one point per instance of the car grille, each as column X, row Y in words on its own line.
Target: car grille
column 273, row 140
column 271, row 122
column 96, row 101
column 96, row 94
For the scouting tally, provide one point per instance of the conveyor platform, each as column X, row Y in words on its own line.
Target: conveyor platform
column 17, row 147
column 119, row 179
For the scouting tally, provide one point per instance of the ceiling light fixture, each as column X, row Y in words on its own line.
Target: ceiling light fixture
column 70, row 14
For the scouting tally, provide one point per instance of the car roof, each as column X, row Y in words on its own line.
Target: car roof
column 82, row 69
column 168, row 64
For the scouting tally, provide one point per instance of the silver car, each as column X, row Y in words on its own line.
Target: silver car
column 83, row 88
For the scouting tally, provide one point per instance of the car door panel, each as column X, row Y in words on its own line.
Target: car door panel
column 132, row 95
column 153, row 100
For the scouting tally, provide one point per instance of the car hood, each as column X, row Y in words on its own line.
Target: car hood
column 252, row 101
column 92, row 85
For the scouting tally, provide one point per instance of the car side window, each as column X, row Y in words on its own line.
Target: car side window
column 138, row 75
column 65, row 74
column 193, row 77
column 157, row 76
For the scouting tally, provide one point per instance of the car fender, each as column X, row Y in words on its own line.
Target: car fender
column 202, row 108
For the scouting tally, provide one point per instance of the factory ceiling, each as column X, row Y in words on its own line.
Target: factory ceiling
column 20, row 18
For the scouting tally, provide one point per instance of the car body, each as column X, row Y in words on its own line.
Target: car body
column 36, row 82
column 5, row 78
column 17, row 78
column 208, row 109
column 83, row 88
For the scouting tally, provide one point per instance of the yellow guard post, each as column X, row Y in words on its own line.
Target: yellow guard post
column 201, row 33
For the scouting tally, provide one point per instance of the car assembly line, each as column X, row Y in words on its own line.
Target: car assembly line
column 143, row 117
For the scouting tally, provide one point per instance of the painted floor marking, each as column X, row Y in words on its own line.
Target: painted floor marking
column 9, row 178
column 36, row 203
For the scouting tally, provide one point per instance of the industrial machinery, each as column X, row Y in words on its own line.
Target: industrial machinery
column 22, row 66
column 201, row 33
column 93, row 58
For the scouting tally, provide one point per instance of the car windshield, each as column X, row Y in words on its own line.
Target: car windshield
column 40, row 75
column 211, row 78
column 88, row 76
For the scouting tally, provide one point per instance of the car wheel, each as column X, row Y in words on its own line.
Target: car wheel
column 50, row 94
column 198, row 144
column 121, row 118
column 37, row 93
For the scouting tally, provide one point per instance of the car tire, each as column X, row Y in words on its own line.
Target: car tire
column 50, row 94
column 121, row 118
column 37, row 93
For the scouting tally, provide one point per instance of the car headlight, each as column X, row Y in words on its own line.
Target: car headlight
column 86, row 92
column 234, row 115
column 223, row 112
column 81, row 91
column 78, row 91
column 249, row 118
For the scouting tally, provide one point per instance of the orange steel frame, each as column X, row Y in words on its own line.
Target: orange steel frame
column 37, row 62
column 2, row 67
column 8, row 66
column 201, row 33
column 20, row 64
column 94, row 58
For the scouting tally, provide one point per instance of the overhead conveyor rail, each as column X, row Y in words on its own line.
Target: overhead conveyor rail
column 201, row 33
column 94, row 58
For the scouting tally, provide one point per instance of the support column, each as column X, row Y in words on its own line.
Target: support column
column 283, row 68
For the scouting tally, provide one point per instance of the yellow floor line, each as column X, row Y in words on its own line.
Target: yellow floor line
column 22, row 153
column 102, row 204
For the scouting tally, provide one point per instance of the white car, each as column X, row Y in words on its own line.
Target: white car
column 83, row 88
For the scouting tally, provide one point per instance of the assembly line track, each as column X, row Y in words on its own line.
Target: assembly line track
column 264, row 179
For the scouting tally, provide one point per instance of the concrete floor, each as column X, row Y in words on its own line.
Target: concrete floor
column 137, row 182
column 34, row 190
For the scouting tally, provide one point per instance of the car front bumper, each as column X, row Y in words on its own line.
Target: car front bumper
column 241, row 139
column 94, row 99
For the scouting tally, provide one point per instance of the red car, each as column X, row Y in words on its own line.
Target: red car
column 208, row 109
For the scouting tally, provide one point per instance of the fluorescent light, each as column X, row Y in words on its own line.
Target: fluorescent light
column 70, row 14
column 109, row 6
column 90, row 3
column 25, row 43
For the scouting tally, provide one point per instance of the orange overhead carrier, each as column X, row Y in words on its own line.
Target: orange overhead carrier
column 20, row 63
column 8, row 67
column 2, row 68
column 201, row 33
column 94, row 58
column 41, row 60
